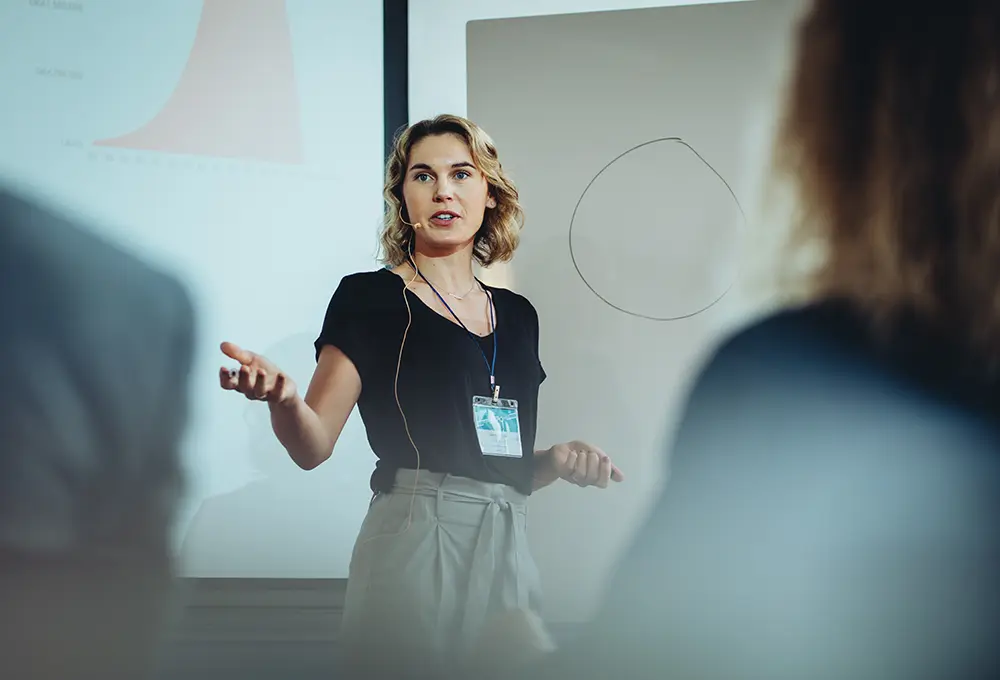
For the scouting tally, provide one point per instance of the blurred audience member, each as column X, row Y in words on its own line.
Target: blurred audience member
column 833, row 509
column 96, row 351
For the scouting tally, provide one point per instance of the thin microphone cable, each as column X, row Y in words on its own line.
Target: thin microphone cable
column 399, row 405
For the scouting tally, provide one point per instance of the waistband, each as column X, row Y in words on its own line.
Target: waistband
column 426, row 483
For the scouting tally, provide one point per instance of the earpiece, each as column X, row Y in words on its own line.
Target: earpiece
column 415, row 226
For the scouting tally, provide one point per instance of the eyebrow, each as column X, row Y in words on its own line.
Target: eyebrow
column 424, row 166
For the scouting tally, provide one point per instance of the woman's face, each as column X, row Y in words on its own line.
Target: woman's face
column 445, row 193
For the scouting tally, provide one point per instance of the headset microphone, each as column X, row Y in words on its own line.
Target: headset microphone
column 415, row 226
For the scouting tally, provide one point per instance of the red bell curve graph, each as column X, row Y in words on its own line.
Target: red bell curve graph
column 237, row 96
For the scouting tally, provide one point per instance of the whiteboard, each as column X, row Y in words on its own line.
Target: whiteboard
column 635, row 140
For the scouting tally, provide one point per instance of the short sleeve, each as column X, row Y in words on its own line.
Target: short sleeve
column 342, row 325
column 537, row 335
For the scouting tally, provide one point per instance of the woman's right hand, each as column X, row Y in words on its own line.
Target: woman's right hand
column 257, row 378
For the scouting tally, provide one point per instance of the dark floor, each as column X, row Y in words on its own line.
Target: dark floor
column 257, row 629
column 271, row 661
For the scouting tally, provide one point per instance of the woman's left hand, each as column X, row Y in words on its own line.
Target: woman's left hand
column 576, row 462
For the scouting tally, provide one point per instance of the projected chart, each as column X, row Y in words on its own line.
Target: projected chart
column 236, row 97
column 194, row 84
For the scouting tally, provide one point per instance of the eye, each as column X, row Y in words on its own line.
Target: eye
column 463, row 174
column 422, row 177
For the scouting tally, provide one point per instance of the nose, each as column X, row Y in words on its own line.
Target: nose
column 443, row 191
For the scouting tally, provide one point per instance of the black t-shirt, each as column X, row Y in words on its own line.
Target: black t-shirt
column 442, row 369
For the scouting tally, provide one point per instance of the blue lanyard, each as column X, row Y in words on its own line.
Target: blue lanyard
column 472, row 336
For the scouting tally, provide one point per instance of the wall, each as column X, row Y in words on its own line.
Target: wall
column 438, row 42
column 238, row 143
column 562, row 95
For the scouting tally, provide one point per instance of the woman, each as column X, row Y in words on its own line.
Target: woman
column 834, row 503
column 445, row 371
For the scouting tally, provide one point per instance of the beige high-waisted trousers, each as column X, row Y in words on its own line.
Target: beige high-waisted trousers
column 438, row 561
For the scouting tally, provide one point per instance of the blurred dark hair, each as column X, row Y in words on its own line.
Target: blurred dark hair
column 891, row 136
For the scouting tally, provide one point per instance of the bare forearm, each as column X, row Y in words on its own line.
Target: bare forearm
column 301, row 432
column 541, row 478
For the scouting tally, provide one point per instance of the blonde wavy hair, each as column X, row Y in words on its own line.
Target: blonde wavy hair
column 500, row 233
column 891, row 139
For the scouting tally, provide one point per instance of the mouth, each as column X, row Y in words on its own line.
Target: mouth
column 443, row 218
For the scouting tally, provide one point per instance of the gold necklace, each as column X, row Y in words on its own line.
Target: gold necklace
column 450, row 294
column 463, row 295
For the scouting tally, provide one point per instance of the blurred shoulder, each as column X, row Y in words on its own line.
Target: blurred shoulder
column 793, row 381
column 59, row 263
column 804, row 341
column 824, row 327
column 801, row 379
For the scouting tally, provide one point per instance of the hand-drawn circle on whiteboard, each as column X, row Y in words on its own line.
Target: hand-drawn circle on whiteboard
column 656, row 232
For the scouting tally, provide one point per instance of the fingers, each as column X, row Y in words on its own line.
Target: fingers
column 586, row 465
column 226, row 379
column 253, row 383
column 616, row 474
column 260, row 386
column 238, row 353
column 280, row 391
column 579, row 474
column 595, row 458
column 257, row 384
column 604, row 472
column 582, row 464
column 245, row 380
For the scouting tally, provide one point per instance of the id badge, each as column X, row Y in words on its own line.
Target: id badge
column 497, row 426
